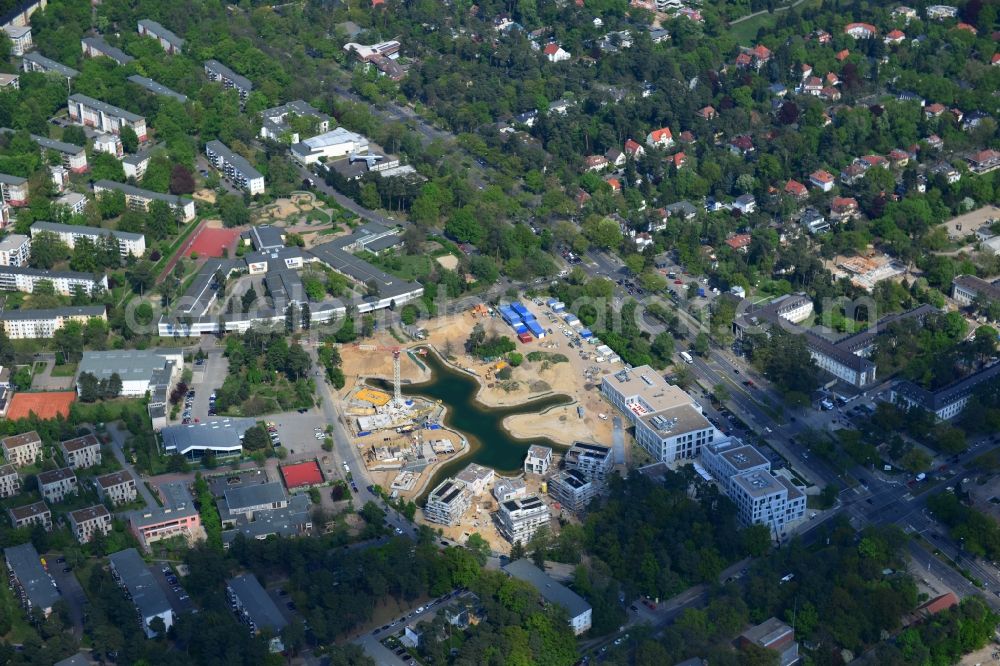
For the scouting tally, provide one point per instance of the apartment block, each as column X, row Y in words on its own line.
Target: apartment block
column 573, row 490
column 110, row 144
column 219, row 73
column 56, row 484
column 95, row 47
column 157, row 88
column 135, row 167
column 256, row 609
column 104, row 117
column 169, row 42
column 73, row 157
column 35, row 324
column 15, row 250
column 128, row 243
column 20, row 38
column 10, row 481
column 966, row 289
column 65, row 283
column 37, row 513
column 133, row 576
column 509, row 488
column 476, row 478
column 21, row 450
column 29, row 580
column 14, row 190
column 72, row 203
column 948, row 401
column 593, row 461
column 276, row 125
column 668, row 422
column 235, row 167
column 137, row 198
column 538, row 461
column 81, row 452
column 118, row 487
column 155, row 524
column 519, row 519
column 85, row 523
column 579, row 612
column 36, row 62
column 448, row 502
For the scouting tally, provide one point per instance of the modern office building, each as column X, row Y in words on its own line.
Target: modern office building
column 219, row 73
column 15, row 250
column 140, row 370
column 169, row 42
column 448, row 502
column 30, row 581
column 104, row 117
column 572, row 489
column 276, row 125
column 36, row 62
column 519, row 519
column 137, row 198
column 668, row 422
column 86, row 523
column 134, row 576
column 65, row 283
column 128, row 243
column 235, row 167
column 579, row 611
column 593, row 461
column 37, row 513
column 56, row 484
column 10, row 481
column 256, row 609
column 538, row 461
column 22, row 450
column 157, row 88
column 34, row 324
column 81, row 452
column 117, row 487
column 330, row 145
column 95, row 47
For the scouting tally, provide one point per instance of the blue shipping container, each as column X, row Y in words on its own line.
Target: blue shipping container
column 585, row 333
column 519, row 308
column 364, row 433
column 536, row 329
column 520, row 328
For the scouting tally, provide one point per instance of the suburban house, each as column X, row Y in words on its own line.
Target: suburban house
column 555, row 53
column 860, row 30
column 660, row 138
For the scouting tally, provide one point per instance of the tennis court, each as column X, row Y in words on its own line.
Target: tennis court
column 46, row 405
column 210, row 242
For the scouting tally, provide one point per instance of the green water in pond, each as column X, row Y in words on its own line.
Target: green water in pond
column 489, row 442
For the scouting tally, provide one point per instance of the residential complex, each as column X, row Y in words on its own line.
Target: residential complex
column 103, row 117
column 95, row 47
column 36, row 62
column 20, row 39
column 593, row 461
column 22, row 450
column 668, row 422
column 519, row 519
column 256, row 608
column 137, row 198
column 10, row 481
column 219, row 73
column 235, row 167
column 948, row 401
column 14, row 190
column 15, row 250
column 34, row 324
column 447, row 502
column 85, row 523
column 65, row 283
column 116, row 487
column 29, row 579
column 538, row 461
column 81, row 452
column 277, row 127
column 139, row 370
column 572, row 489
column 135, row 578
column 128, row 243
column 56, row 484
column 579, row 611
column 170, row 42
column 36, row 513
column 157, row 88
column 476, row 478
column 73, row 157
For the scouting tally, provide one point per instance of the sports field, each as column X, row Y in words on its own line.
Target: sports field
column 212, row 242
column 46, row 405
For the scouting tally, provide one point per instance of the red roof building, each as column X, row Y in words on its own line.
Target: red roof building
column 843, row 55
column 615, row 184
column 708, row 113
column 860, row 30
column 996, row 59
column 302, row 475
column 966, row 27
column 934, row 110
column 739, row 242
column 680, row 160
column 895, row 37
column 796, row 189
column 938, row 604
column 633, row 149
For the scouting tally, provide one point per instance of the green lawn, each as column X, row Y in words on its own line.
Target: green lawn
column 745, row 32
column 20, row 630
column 65, row 370
column 406, row 266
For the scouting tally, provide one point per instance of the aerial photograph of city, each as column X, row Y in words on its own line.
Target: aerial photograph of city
column 482, row 333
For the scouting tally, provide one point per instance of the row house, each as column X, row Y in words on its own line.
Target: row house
column 56, row 484
column 10, row 481
column 37, row 513
column 116, row 487
column 22, row 450
column 89, row 112
column 85, row 523
column 81, row 452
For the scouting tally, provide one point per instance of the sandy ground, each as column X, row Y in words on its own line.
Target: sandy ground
column 205, row 195
column 963, row 225
column 448, row 261
column 213, row 224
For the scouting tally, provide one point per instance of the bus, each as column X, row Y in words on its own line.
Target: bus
column 687, row 357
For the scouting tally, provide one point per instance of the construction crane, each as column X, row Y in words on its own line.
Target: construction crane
column 397, row 387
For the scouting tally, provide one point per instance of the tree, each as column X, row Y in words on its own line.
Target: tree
column 47, row 250
column 701, row 344
column 233, row 210
column 256, row 438
column 87, row 385
column 130, row 142
column 479, row 547
column 181, row 180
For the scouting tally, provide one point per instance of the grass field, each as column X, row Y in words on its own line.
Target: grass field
column 746, row 31
column 20, row 630
column 64, row 370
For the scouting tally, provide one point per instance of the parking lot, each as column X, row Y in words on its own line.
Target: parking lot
column 180, row 601
column 205, row 379
column 297, row 433
column 71, row 591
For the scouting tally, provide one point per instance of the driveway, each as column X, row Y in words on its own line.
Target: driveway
column 117, row 446
column 71, row 591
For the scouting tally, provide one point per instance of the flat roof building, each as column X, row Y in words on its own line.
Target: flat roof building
column 223, row 437
column 538, row 460
column 593, row 461
column 476, row 477
column 56, row 484
column 134, row 576
column 34, row 586
column 520, row 518
column 37, row 513
column 235, row 167
column 81, row 452
column 276, row 127
column 118, row 487
column 22, row 450
column 553, row 592
column 256, row 609
column 573, row 489
column 85, row 523
column 140, row 370
column 128, row 243
column 448, row 502
column 334, row 144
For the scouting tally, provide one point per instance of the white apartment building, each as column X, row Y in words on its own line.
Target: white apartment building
column 336, row 143
column 81, row 452
column 13, row 189
column 572, row 489
column 95, row 47
column 85, row 523
column 36, row 62
column 169, row 42
column 476, row 478
column 73, row 203
column 110, row 144
column 56, row 484
column 31, row 514
column 104, row 117
column 965, row 289
column 22, row 450
column 65, row 283
column 593, row 461
column 34, row 324
column 448, row 502
column 509, row 488
column 15, row 250
column 235, row 167
column 728, row 458
column 219, row 73
column 668, row 422
column 128, row 243
column 119, row 487
column 947, row 402
column 135, row 167
column 538, row 461
column 519, row 519
column 137, row 198
column 20, row 38
column 10, row 481
column 73, row 157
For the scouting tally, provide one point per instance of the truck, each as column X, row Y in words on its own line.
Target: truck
column 686, row 357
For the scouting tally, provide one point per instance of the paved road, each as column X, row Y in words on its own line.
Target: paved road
column 382, row 655
column 117, row 446
column 71, row 591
